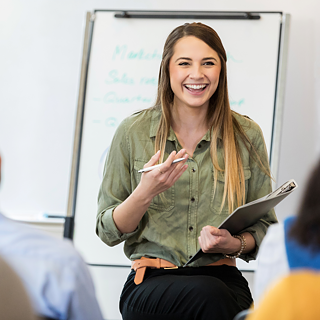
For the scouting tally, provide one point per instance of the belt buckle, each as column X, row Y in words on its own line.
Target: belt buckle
column 170, row 268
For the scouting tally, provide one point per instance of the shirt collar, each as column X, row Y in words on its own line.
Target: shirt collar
column 172, row 137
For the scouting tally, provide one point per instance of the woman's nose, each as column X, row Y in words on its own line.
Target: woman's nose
column 196, row 72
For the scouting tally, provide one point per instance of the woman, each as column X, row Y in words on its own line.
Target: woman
column 160, row 214
column 295, row 244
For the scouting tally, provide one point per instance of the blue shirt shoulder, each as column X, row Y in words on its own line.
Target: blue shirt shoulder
column 299, row 257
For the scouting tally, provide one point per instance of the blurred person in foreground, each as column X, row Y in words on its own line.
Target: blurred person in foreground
column 293, row 245
column 55, row 276
column 294, row 297
column 11, row 291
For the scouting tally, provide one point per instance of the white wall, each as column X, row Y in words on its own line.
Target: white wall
column 41, row 47
column 40, row 56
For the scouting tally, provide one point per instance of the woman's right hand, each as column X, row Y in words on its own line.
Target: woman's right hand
column 160, row 179
column 128, row 214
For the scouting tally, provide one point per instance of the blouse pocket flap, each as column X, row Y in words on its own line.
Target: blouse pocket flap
column 138, row 164
column 246, row 172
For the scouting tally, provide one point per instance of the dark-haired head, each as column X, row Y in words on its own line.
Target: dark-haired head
column 306, row 228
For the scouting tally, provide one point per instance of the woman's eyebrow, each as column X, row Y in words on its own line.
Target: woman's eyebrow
column 183, row 58
column 210, row 58
column 204, row 59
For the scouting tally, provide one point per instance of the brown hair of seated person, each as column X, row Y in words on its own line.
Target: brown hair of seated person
column 306, row 228
column 14, row 301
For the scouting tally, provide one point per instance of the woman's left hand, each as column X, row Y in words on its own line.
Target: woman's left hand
column 214, row 240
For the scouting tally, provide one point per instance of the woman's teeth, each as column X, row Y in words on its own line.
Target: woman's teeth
column 195, row 86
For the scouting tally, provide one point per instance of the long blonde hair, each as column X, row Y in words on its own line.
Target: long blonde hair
column 220, row 118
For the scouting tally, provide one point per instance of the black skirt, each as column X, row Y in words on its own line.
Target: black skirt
column 213, row 292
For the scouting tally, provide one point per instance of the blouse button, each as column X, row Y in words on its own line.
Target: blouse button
column 190, row 228
column 193, row 170
column 192, row 199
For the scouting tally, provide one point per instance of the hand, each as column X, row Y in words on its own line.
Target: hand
column 214, row 240
column 160, row 179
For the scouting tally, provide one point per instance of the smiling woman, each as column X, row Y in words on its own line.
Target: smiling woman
column 165, row 215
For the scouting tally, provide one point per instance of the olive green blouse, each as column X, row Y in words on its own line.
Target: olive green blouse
column 170, row 227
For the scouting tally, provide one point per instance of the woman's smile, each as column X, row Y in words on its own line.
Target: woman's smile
column 196, row 89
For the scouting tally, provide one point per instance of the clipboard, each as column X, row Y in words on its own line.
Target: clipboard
column 246, row 215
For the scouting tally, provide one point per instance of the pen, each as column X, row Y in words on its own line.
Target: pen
column 158, row 165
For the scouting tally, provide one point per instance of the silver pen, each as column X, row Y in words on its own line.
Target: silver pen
column 158, row 165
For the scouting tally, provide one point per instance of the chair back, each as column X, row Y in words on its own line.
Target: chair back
column 242, row 315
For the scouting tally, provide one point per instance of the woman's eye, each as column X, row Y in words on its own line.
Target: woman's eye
column 183, row 63
column 209, row 63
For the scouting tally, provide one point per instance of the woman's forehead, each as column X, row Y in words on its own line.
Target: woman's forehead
column 191, row 46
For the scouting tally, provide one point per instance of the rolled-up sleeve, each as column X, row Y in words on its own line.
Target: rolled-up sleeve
column 259, row 186
column 115, row 188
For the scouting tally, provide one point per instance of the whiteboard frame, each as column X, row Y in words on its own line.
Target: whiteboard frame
column 278, row 102
column 79, row 118
column 274, row 156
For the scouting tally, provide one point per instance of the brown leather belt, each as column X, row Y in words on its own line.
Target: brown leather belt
column 140, row 266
